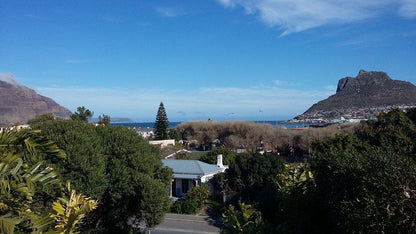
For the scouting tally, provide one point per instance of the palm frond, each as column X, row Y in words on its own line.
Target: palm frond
column 8, row 223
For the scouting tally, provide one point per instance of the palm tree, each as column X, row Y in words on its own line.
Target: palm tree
column 22, row 172
column 70, row 210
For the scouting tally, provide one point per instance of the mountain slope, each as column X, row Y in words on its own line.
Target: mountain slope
column 19, row 103
column 363, row 96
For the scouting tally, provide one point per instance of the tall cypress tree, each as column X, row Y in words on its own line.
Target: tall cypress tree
column 161, row 124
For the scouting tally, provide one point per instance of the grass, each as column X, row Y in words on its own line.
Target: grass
column 196, row 155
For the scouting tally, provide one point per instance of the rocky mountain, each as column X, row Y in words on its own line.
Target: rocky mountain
column 363, row 97
column 19, row 103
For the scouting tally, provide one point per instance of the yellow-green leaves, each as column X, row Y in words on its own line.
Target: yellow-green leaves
column 69, row 211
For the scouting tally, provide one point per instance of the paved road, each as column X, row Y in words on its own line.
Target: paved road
column 175, row 224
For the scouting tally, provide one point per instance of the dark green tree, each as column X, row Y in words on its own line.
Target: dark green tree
column 104, row 120
column 227, row 154
column 85, row 165
column 365, row 188
column 174, row 134
column 41, row 118
column 116, row 166
column 82, row 114
column 161, row 124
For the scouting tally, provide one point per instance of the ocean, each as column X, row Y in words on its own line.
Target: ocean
column 274, row 123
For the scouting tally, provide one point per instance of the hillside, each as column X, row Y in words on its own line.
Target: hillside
column 19, row 103
column 363, row 97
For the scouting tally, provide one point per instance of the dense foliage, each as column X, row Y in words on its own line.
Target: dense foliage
column 187, row 206
column 243, row 219
column 199, row 194
column 367, row 181
column 28, row 186
column 116, row 166
column 228, row 156
column 161, row 124
column 363, row 182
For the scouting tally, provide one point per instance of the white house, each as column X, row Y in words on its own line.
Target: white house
column 190, row 173
column 163, row 143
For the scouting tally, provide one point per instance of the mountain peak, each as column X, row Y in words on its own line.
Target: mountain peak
column 362, row 71
column 19, row 103
column 10, row 79
column 364, row 96
column 364, row 79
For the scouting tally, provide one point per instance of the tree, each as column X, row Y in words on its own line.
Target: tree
column 161, row 124
column 174, row 134
column 82, row 114
column 69, row 211
column 23, row 173
column 104, row 120
column 365, row 188
column 227, row 154
column 85, row 165
column 116, row 166
column 41, row 118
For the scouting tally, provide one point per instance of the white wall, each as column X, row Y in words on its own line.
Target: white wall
column 163, row 143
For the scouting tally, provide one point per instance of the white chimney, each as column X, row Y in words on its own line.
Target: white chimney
column 219, row 160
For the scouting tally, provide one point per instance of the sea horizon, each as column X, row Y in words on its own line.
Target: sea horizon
column 174, row 124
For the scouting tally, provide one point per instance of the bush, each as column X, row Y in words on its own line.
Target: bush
column 243, row 219
column 188, row 206
column 199, row 194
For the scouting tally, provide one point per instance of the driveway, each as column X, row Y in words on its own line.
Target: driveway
column 176, row 223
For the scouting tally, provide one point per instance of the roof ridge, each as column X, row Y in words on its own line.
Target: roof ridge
column 199, row 166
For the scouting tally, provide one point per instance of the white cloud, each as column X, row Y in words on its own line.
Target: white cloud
column 9, row 78
column 298, row 15
column 169, row 12
column 408, row 8
column 211, row 102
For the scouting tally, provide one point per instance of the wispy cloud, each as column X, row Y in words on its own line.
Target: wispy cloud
column 170, row 12
column 408, row 8
column 212, row 102
column 298, row 15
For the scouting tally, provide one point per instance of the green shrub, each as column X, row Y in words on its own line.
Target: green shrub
column 176, row 207
column 199, row 194
column 188, row 206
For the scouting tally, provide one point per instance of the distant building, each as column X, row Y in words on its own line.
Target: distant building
column 190, row 173
column 163, row 143
column 146, row 133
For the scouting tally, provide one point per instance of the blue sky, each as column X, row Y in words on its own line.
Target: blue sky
column 218, row 59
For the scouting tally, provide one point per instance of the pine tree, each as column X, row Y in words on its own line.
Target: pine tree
column 161, row 124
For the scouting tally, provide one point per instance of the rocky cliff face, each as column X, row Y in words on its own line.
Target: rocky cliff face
column 363, row 96
column 19, row 103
